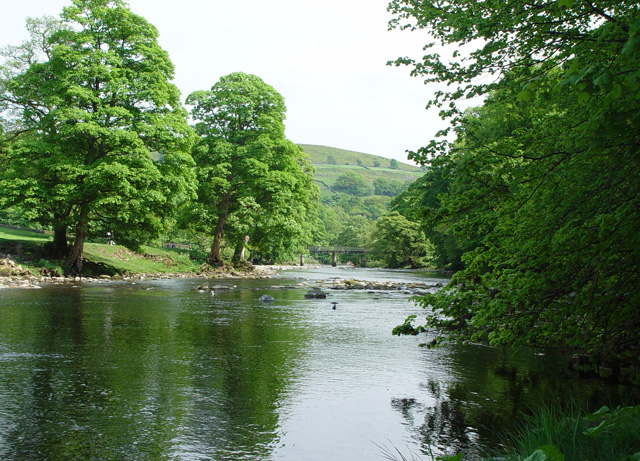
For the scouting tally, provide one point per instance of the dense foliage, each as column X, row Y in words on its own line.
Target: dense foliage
column 352, row 184
column 86, row 103
column 540, row 188
column 400, row 242
column 254, row 184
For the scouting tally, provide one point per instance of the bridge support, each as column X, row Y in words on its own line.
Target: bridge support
column 301, row 259
column 334, row 259
column 363, row 261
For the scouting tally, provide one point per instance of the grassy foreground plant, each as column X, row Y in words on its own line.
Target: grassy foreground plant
column 552, row 433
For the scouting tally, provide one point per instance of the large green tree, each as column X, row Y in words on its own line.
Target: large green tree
column 254, row 183
column 399, row 242
column 543, row 178
column 99, row 138
column 353, row 184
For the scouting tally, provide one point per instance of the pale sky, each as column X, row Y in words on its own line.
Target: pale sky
column 328, row 60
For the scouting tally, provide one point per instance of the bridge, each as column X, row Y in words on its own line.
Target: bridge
column 334, row 251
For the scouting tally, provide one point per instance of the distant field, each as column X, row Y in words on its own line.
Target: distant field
column 319, row 154
column 329, row 173
column 347, row 161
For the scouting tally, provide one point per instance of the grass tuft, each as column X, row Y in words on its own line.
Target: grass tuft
column 572, row 433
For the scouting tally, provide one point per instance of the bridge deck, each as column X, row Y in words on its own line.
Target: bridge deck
column 341, row 250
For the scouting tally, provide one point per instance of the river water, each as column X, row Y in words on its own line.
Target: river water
column 158, row 370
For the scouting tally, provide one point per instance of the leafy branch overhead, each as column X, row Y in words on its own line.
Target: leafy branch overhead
column 538, row 192
column 591, row 42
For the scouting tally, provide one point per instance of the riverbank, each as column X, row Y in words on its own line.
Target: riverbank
column 23, row 263
column 24, row 278
column 17, row 276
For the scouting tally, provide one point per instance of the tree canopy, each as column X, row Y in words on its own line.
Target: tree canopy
column 99, row 140
column 540, row 187
column 399, row 242
column 352, row 184
column 254, row 184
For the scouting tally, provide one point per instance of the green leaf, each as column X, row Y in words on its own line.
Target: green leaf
column 525, row 95
column 596, row 431
column 603, row 411
column 457, row 457
column 546, row 453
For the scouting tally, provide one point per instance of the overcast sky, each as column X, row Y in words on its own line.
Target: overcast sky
column 328, row 60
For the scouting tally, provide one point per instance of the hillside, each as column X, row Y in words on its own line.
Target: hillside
column 319, row 154
column 347, row 161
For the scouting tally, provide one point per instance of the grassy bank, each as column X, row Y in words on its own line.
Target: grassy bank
column 26, row 248
column 556, row 433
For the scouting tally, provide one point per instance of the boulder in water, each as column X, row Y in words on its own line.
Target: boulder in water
column 316, row 293
column 266, row 299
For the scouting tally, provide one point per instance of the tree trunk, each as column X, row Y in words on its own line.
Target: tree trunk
column 238, row 254
column 74, row 260
column 214, row 254
column 60, row 245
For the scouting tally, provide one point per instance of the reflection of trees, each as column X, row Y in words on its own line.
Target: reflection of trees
column 133, row 374
column 491, row 392
column 245, row 367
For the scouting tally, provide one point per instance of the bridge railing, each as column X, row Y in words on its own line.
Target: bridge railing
column 356, row 250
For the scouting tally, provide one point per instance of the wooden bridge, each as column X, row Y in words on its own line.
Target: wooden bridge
column 334, row 251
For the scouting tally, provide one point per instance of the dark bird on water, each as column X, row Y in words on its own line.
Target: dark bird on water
column 335, row 303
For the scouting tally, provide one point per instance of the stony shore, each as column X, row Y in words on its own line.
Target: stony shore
column 12, row 275
column 15, row 277
column 408, row 288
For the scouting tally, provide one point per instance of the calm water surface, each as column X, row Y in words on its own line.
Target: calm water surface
column 156, row 370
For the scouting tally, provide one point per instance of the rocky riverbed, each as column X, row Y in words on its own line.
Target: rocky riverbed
column 12, row 275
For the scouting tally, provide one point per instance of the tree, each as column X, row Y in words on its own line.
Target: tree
column 354, row 232
column 399, row 242
column 331, row 160
column 87, row 117
column 393, row 164
column 376, row 163
column 248, row 172
column 543, row 178
column 287, row 215
column 587, row 40
column 352, row 184
column 382, row 186
column 421, row 202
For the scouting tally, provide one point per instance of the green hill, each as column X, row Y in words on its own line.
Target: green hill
column 319, row 154
column 347, row 161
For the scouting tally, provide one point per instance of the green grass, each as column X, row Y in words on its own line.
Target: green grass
column 148, row 260
column 318, row 156
column 326, row 174
column 329, row 173
column 7, row 235
column 564, row 431
column 27, row 249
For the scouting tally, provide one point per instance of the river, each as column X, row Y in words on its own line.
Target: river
column 157, row 370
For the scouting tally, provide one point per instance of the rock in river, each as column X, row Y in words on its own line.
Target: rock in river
column 315, row 293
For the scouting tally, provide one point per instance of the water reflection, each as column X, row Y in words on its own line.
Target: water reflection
column 157, row 370
column 108, row 373
column 481, row 392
